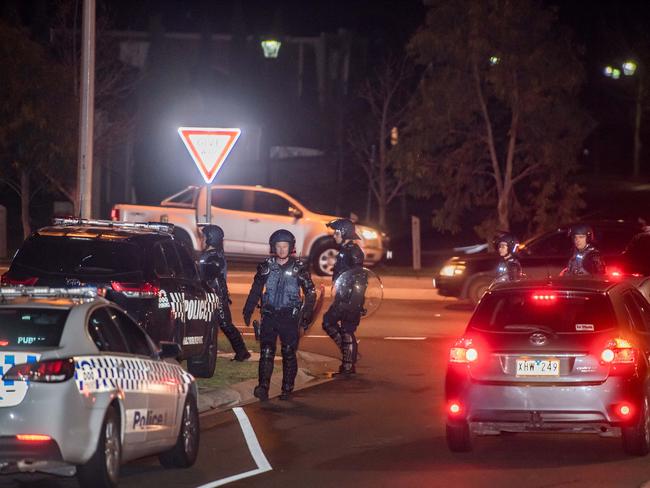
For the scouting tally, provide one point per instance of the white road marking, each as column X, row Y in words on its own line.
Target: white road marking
column 404, row 338
column 253, row 446
column 316, row 336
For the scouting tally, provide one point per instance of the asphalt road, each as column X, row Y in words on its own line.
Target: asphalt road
column 384, row 427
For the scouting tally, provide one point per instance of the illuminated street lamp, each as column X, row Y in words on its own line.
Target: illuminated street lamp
column 271, row 48
column 494, row 60
column 629, row 68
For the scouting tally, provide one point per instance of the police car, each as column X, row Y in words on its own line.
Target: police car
column 142, row 267
column 85, row 389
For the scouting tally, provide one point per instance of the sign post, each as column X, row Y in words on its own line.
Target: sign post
column 415, row 234
column 209, row 148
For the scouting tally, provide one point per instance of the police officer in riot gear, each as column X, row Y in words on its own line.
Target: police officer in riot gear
column 509, row 268
column 341, row 320
column 213, row 267
column 586, row 259
column 277, row 283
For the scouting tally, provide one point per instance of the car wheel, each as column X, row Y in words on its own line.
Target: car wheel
column 477, row 288
column 458, row 437
column 203, row 366
column 103, row 468
column 636, row 438
column 186, row 449
column 323, row 257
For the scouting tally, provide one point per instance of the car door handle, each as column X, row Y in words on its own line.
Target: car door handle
column 254, row 220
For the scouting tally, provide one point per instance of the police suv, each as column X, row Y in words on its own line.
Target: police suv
column 142, row 268
column 85, row 389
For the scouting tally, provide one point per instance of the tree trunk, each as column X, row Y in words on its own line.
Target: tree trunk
column 383, row 196
column 24, row 203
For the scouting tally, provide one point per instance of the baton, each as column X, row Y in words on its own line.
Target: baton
column 256, row 330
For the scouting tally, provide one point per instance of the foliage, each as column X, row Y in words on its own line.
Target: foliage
column 496, row 127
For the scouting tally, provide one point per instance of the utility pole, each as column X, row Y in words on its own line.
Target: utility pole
column 86, row 113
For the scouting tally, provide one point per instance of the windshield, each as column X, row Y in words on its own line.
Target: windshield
column 78, row 256
column 31, row 327
column 548, row 311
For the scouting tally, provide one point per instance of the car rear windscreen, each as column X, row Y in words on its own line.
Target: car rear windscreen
column 31, row 327
column 78, row 256
column 557, row 311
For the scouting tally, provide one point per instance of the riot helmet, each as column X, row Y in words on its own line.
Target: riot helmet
column 510, row 239
column 282, row 235
column 213, row 236
column 345, row 227
column 583, row 230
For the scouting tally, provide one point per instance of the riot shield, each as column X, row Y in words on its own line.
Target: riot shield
column 318, row 304
column 359, row 289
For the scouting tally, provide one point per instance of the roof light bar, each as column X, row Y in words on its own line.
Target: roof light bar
column 47, row 292
column 158, row 226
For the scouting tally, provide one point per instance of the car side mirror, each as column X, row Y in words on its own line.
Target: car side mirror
column 295, row 213
column 169, row 350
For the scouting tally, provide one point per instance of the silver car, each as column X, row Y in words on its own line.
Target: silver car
column 562, row 355
column 84, row 389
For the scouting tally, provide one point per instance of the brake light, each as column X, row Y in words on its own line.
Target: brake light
column 544, row 297
column 33, row 437
column 618, row 351
column 49, row 371
column 463, row 352
column 454, row 409
column 624, row 410
column 136, row 290
column 115, row 214
column 7, row 280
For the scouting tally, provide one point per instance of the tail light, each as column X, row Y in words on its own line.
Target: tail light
column 33, row 438
column 49, row 371
column 136, row 290
column 115, row 214
column 455, row 409
column 618, row 351
column 463, row 351
column 544, row 297
column 7, row 280
column 625, row 410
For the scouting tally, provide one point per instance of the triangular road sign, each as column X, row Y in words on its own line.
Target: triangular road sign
column 209, row 147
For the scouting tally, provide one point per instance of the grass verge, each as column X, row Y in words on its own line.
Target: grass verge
column 229, row 372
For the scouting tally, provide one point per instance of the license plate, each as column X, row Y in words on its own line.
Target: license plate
column 538, row 367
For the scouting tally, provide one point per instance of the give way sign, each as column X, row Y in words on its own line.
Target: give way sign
column 209, row 147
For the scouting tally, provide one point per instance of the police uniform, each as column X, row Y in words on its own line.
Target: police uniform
column 509, row 269
column 278, row 286
column 214, row 269
column 586, row 262
column 341, row 320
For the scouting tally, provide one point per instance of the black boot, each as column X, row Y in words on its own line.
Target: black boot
column 289, row 370
column 267, row 353
column 236, row 342
column 349, row 351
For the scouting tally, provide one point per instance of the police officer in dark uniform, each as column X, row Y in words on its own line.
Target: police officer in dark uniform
column 214, row 268
column 509, row 268
column 341, row 320
column 278, row 282
column 586, row 259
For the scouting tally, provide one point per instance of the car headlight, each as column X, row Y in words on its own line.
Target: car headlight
column 452, row 270
column 368, row 234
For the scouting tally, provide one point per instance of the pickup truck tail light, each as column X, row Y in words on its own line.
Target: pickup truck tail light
column 115, row 214
column 136, row 290
column 5, row 279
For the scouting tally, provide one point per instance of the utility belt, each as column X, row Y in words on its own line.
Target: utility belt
column 282, row 312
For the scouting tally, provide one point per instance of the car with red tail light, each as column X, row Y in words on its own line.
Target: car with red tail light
column 141, row 267
column 85, row 389
column 565, row 355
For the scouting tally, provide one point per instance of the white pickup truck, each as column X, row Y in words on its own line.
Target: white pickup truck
column 248, row 216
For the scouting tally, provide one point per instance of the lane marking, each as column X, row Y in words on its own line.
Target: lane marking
column 405, row 338
column 254, row 448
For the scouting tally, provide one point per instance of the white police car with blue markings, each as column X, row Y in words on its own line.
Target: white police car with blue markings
column 85, row 389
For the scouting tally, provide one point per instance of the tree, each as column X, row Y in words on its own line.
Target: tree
column 496, row 125
column 34, row 120
column 386, row 97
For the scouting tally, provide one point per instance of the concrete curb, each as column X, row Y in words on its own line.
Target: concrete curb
column 311, row 372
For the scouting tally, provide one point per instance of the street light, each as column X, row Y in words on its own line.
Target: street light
column 271, row 48
column 630, row 69
column 494, row 60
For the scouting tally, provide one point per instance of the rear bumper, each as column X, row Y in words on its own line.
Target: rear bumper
column 29, row 457
column 490, row 408
column 449, row 287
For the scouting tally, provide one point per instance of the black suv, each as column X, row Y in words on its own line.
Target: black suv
column 468, row 276
column 141, row 267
